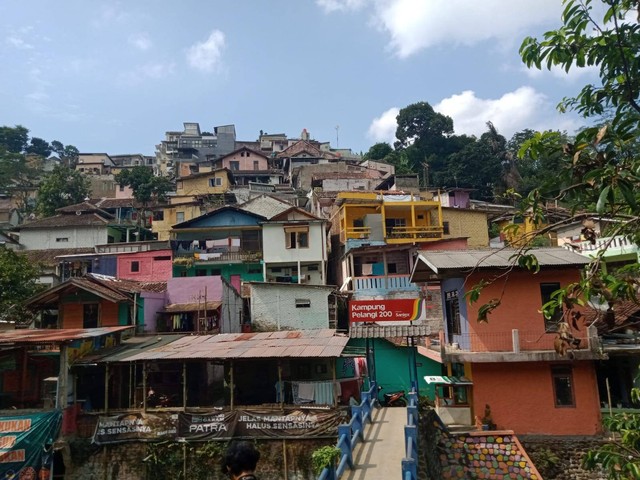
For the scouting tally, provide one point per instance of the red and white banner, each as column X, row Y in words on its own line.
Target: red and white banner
column 398, row 310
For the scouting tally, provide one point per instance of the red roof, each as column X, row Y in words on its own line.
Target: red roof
column 57, row 336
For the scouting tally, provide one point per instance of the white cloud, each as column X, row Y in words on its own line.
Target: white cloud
column 141, row 41
column 383, row 128
column 512, row 112
column 206, row 56
column 413, row 25
column 19, row 43
column 340, row 5
column 573, row 75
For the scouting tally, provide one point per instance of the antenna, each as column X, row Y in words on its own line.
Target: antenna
column 337, row 136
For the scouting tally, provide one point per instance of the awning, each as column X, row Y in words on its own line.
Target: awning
column 191, row 307
column 55, row 336
column 442, row 380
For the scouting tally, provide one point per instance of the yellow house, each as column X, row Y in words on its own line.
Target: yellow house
column 518, row 230
column 173, row 214
column 389, row 217
column 205, row 183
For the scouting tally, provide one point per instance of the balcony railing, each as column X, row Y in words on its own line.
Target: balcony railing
column 355, row 232
column 615, row 245
column 413, row 234
column 514, row 341
column 239, row 256
column 381, row 283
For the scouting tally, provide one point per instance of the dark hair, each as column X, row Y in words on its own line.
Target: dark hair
column 240, row 457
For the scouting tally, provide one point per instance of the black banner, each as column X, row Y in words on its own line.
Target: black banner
column 135, row 427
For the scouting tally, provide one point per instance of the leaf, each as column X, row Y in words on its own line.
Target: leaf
column 602, row 199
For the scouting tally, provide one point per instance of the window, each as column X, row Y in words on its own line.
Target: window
column 392, row 268
column 297, row 237
column 234, row 165
column 452, row 311
column 248, row 154
column 215, row 182
column 179, row 217
column 135, row 267
column 303, row 303
column 62, row 239
column 546, row 290
column 445, row 228
column 90, row 315
column 121, row 187
column 162, row 259
column 256, row 165
column 562, row 378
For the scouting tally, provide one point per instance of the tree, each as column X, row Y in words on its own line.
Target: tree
column 14, row 139
column 68, row 155
column 18, row 282
column 38, row 146
column 146, row 187
column 378, row 151
column 62, row 187
column 599, row 171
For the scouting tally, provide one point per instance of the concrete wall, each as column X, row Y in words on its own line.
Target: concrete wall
column 232, row 309
column 273, row 307
column 467, row 223
column 153, row 302
column 199, row 184
column 274, row 245
column 521, row 397
column 78, row 237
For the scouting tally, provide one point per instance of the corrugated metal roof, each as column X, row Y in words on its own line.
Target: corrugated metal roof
column 27, row 336
column 442, row 261
column 190, row 307
column 388, row 331
column 284, row 344
column 130, row 346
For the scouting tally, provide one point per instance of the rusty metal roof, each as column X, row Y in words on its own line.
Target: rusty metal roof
column 191, row 307
column 63, row 335
column 284, row 344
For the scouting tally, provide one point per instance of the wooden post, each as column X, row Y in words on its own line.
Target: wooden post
column 132, row 399
column 231, row 384
column 333, row 372
column 23, row 377
column 280, row 393
column 144, row 386
column 284, row 457
column 106, row 387
column 61, row 400
column 184, row 385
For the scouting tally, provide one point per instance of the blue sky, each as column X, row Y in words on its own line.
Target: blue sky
column 112, row 76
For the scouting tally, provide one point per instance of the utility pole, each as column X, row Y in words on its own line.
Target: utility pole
column 337, row 136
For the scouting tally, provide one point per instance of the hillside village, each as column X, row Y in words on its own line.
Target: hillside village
column 285, row 275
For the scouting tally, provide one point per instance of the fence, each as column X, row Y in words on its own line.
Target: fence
column 380, row 282
column 350, row 434
column 410, row 462
column 508, row 341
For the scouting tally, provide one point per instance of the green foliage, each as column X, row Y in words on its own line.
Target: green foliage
column 166, row 460
column 378, row 151
column 14, row 139
column 324, row 457
column 546, row 461
column 60, row 188
column 146, row 187
column 18, row 278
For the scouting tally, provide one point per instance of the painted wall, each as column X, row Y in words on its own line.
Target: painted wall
column 273, row 307
column 152, row 302
column 449, row 285
column 249, row 272
column 163, row 227
column 232, row 309
column 245, row 160
column 467, row 223
column 188, row 289
column 221, row 218
column 274, row 244
column 521, row 398
column 155, row 265
column 72, row 312
column 392, row 367
column 77, row 237
column 199, row 184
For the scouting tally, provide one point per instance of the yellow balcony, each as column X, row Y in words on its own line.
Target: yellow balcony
column 355, row 232
column 413, row 234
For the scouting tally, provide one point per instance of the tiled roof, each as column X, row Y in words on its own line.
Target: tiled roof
column 68, row 220
column 84, row 207
column 48, row 258
column 190, row 307
column 284, row 344
column 265, row 206
column 129, row 286
column 626, row 314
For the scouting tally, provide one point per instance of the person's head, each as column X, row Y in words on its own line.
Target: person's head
column 240, row 458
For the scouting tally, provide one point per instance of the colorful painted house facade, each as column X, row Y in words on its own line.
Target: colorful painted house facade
column 511, row 360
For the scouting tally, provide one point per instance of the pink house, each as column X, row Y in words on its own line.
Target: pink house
column 244, row 159
column 155, row 265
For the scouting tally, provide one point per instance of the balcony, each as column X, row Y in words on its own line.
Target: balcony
column 381, row 285
column 514, row 346
column 211, row 258
column 414, row 234
column 615, row 246
column 358, row 233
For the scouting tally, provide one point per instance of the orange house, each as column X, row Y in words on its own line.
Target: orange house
column 510, row 359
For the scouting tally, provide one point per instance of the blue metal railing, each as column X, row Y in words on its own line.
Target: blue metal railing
column 350, row 434
column 410, row 462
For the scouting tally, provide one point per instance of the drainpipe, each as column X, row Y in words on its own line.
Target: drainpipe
column 135, row 311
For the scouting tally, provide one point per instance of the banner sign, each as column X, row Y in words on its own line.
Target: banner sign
column 26, row 443
column 398, row 310
column 259, row 424
column 136, row 427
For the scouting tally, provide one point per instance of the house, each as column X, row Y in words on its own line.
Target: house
column 176, row 212
column 510, row 363
column 292, row 306
column 294, row 248
column 459, row 220
column 226, row 241
column 206, row 183
column 248, row 165
column 94, row 301
column 94, row 164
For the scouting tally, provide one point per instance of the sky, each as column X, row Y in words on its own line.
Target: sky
column 114, row 76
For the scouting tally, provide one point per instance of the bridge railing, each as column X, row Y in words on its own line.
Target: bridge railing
column 410, row 462
column 350, row 434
